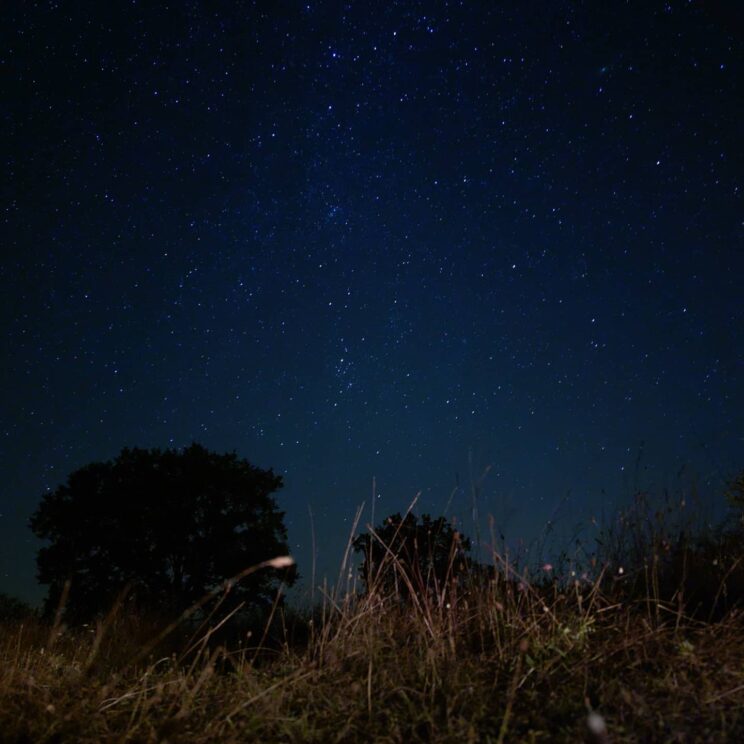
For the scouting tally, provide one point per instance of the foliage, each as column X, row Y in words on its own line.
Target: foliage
column 587, row 656
column 735, row 492
column 561, row 663
column 666, row 550
column 428, row 553
column 164, row 526
column 13, row 609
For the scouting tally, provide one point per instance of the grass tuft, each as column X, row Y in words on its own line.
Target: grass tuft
column 642, row 641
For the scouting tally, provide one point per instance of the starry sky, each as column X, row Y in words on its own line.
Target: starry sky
column 409, row 241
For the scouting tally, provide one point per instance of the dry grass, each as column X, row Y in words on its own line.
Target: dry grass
column 502, row 659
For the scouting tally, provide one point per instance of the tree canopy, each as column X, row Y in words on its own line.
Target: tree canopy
column 170, row 525
column 428, row 552
column 13, row 609
column 735, row 491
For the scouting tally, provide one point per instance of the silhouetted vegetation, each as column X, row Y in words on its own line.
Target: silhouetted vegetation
column 14, row 609
column 429, row 553
column 665, row 550
column 159, row 530
column 607, row 648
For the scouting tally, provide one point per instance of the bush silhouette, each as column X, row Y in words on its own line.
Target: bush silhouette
column 164, row 526
column 13, row 609
column 406, row 554
column 661, row 552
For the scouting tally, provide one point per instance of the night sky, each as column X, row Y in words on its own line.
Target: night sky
column 401, row 240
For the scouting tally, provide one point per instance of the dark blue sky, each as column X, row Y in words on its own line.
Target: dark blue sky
column 406, row 240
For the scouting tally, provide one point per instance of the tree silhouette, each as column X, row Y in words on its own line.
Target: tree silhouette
column 404, row 553
column 13, row 609
column 168, row 525
column 735, row 491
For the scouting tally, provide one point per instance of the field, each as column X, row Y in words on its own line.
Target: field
column 649, row 650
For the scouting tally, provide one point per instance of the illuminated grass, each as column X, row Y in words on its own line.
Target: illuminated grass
column 503, row 658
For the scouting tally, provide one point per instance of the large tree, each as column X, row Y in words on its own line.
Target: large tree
column 404, row 553
column 169, row 525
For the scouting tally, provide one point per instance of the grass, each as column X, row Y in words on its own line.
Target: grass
column 602, row 652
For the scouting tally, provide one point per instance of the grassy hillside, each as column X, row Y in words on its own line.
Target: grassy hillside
column 652, row 650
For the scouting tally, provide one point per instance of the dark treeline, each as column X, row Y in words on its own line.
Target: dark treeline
column 166, row 531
